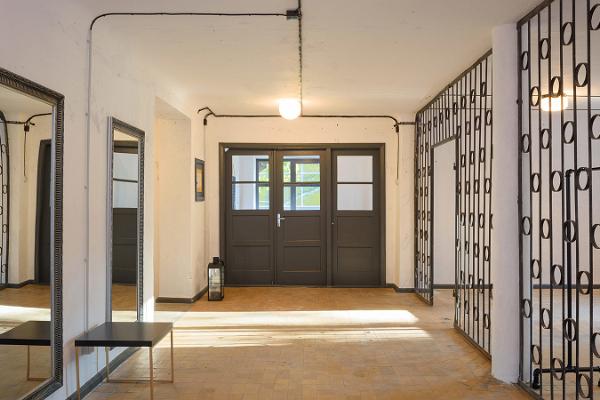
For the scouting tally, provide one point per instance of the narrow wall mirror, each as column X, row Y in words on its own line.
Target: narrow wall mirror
column 125, row 231
column 31, row 143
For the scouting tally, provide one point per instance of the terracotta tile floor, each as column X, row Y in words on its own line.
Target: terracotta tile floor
column 313, row 343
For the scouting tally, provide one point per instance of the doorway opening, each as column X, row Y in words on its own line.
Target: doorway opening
column 303, row 215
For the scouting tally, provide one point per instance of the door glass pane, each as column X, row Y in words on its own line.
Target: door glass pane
column 250, row 196
column 301, row 168
column 250, row 168
column 355, row 168
column 355, row 197
column 250, row 182
column 301, row 198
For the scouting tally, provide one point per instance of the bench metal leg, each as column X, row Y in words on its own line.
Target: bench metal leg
column 151, row 374
column 29, row 377
column 77, row 372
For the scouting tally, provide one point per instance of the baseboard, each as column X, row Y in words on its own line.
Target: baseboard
column 443, row 286
column 19, row 285
column 184, row 300
column 399, row 289
column 101, row 375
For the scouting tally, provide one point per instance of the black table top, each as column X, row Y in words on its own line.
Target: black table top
column 30, row 333
column 125, row 334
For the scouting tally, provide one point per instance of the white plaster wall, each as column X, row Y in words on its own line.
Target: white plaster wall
column 23, row 195
column 325, row 131
column 174, row 196
column 444, row 213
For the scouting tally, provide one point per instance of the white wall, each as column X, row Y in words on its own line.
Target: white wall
column 23, row 195
column 325, row 131
column 444, row 213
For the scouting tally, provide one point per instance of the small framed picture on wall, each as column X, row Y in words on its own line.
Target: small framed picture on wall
column 199, row 184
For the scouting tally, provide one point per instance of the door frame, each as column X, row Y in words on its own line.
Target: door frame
column 39, row 205
column 327, row 147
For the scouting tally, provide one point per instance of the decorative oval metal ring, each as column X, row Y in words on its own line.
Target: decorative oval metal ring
column 534, row 96
column 462, row 218
column 487, row 185
column 536, row 269
column 473, row 96
column 480, row 285
column 582, row 178
column 526, row 226
column 472, row 157
column 545, row 138
column 455, row 108
column 526, row 308
column 556, row 177
column 556, row 87
column 477, row 123
column 463, row 160
column 447, row 113
column 554, row 279
column 468, row 187
column 468, row 128
column 582, row 69
column 570, row 329
column 463, row 101
column 595, row 127
column 546, row 318
column 481, row 220
column 568, row 132
column 475, row 314
column 482, row 154
column 594, row 18
column 525, row 60
column 546, row 228
column 583, row 379
column 486, row 321
column 594, row 345
column 584, row 282
column 566, row 34
column 544, row 48
column 471, row 219
column 476, row 250
column 536, row 354
column 483, row 88
column 489, row 117
column 476, row 186
column 595, row 234
column 486, row 253
column 535, row 182
column 525, row 142
column 570, row 231
column 558, row 369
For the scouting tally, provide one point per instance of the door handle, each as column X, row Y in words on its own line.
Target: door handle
column 279, row 219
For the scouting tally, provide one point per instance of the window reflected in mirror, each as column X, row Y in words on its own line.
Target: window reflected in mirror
column 125, row 226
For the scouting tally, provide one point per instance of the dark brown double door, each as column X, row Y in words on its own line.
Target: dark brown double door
column 289, row 214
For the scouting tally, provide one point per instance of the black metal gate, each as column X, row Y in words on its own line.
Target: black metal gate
column 462, row 111
column 559, row 128
column 4, row 175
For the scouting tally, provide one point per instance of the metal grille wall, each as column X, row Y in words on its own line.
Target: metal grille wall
column 559, row 117
column 462, row 111
column 4, row 173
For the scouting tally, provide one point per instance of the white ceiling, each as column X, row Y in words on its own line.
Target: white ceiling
column 16, row 105
column 360, row 56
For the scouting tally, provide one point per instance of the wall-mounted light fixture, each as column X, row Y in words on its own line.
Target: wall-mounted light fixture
column 290, row 108
column 554, row 103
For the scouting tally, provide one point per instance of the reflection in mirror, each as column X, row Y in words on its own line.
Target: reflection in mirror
column 126, row 208
column 25, row 245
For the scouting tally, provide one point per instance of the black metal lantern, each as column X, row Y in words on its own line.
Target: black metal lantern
column 216, row 279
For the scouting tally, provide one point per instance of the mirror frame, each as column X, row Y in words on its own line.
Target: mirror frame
column 115, row 124
column 56, row 100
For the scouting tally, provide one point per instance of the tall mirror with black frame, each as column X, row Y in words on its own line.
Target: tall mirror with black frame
column 126, row 233
column 29, row 276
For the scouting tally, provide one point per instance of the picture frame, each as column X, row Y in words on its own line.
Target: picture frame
column 199, row 179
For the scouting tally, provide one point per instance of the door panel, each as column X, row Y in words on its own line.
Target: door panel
column 356, row 218
column 249, row 218
column 301, row 220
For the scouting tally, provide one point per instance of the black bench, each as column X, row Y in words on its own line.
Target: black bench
column 126, row 334
column 30, row 333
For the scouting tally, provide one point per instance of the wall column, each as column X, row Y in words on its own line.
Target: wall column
column 505, row 234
